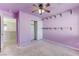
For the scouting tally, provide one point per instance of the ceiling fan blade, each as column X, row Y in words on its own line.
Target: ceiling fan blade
column 47, row 5
column 47, row 11
column 34, row 11
column 34, row 5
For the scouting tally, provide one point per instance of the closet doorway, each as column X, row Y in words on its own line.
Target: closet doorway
column 37, row 31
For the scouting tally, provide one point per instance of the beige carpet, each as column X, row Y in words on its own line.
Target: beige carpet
column 38, row 48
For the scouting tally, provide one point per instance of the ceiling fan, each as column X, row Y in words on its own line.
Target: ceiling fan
column 41, row 8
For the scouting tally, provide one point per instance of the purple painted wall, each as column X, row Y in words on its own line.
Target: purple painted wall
column 6, row 14
column 24, row 23
column 67, row 20
column 65, row 36
column 24, row 28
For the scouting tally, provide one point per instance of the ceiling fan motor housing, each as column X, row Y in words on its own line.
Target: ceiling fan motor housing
column 41, row 6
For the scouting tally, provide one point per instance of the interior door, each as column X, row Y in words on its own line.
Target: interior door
column 36, row 29
column 0, row 33
column 40, row 30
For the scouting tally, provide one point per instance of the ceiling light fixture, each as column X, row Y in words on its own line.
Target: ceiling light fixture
column 41, row 11
column 41, row 8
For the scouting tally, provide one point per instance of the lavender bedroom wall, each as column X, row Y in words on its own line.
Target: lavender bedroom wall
column 6, row 14
column 24, row 28
column 65, row 36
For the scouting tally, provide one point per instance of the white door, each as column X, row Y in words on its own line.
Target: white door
column 40, row 30
column 36, row 29
column 2, row 32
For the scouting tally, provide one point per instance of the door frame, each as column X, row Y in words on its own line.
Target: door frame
column 35, row 30
column 0, row 34
column 2, row 30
